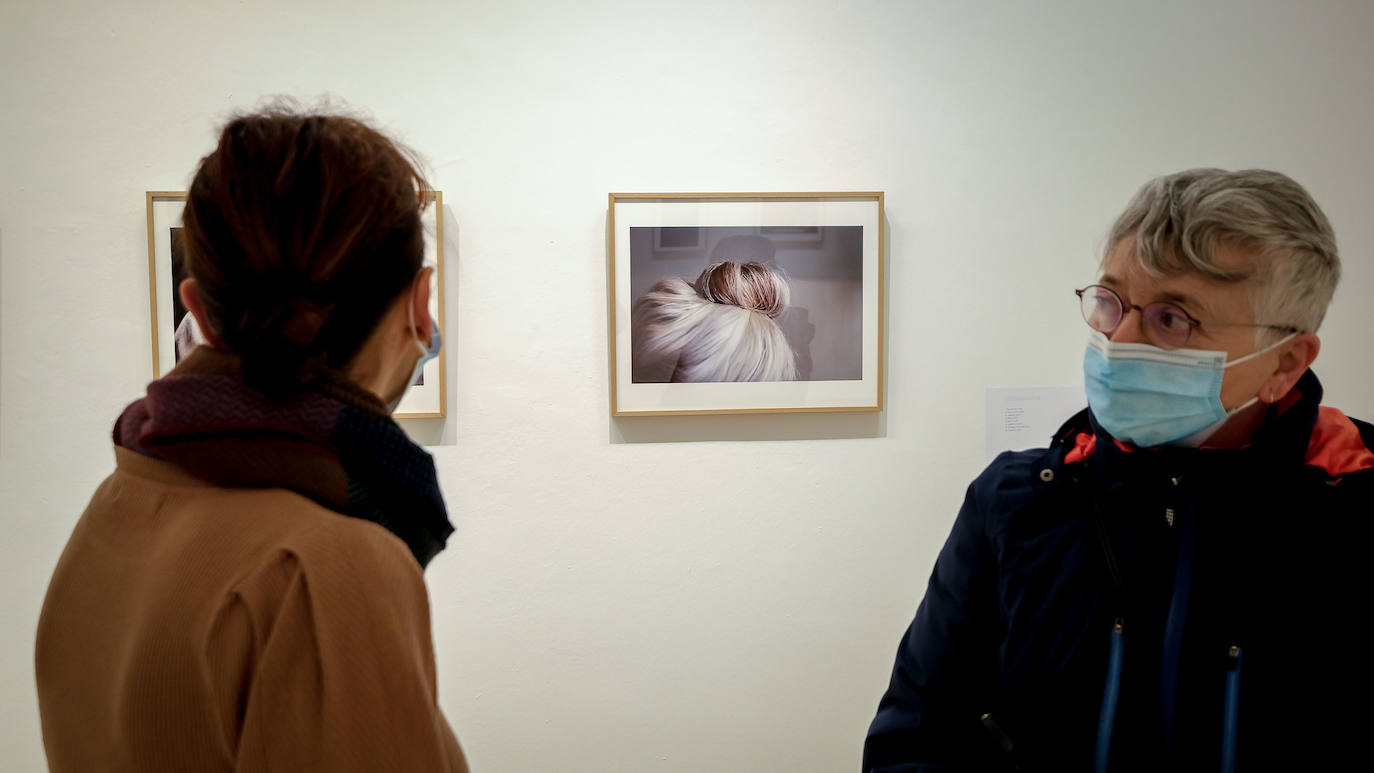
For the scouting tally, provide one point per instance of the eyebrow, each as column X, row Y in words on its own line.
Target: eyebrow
column 1188, row 302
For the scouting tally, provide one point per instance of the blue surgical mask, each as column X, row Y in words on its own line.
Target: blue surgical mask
column 1152, row 397
column 427, row 353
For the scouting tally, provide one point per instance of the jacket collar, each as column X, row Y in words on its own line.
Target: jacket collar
column 1281, row 442
column 331, row 441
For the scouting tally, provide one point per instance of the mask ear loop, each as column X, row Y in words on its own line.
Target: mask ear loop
column 1253, row 355
column 1265, row 350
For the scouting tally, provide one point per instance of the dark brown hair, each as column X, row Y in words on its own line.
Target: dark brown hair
column 301, row 229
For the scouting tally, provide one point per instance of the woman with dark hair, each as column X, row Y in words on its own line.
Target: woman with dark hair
column 245, row 591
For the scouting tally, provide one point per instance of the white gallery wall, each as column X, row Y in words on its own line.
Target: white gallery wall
column 670, row 594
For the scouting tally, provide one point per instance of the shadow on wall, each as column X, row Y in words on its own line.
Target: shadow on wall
column 748, row 426
column 2, row 337
column 444, row 431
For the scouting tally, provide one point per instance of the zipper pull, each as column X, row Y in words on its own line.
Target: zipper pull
column 1003, row 741
column 1169, row 511
column 1231, row 711
column 999, row 735
column 1106, row 717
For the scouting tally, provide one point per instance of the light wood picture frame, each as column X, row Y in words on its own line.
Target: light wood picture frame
column 424, row 400
column 675, row 340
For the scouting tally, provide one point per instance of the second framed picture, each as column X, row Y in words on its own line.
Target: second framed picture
column 174, row 332
column 745, row 302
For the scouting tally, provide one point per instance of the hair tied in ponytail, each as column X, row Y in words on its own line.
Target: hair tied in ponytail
column 303, row 321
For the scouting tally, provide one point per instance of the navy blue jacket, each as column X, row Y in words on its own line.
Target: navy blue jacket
column 1161, row 609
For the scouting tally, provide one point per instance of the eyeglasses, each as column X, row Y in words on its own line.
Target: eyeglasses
column 1168, row 326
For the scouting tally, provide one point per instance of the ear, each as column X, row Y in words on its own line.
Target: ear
column 190, row 297
column 1295, row 358
column 418, row 295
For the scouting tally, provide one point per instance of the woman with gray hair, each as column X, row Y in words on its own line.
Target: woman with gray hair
column 1161, row 589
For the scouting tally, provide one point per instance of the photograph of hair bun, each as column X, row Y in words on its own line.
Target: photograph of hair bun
column 722, row 304
column 722, row 327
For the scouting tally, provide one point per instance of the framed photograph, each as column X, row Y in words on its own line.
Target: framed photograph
column 777, row 305
column 174, row 332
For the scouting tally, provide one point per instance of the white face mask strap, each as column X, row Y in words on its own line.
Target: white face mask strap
column 1265, row 350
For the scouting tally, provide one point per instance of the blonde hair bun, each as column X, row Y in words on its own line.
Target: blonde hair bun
column 722, row 327
column 752, row 286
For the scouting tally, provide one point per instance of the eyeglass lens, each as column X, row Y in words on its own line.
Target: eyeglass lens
column 1166, row 323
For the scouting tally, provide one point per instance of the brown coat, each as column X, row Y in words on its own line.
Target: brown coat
column 195, row 628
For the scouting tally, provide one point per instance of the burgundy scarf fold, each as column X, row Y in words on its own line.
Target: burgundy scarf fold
column 334, row 443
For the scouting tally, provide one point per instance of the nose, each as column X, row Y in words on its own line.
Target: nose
column 1130, row 330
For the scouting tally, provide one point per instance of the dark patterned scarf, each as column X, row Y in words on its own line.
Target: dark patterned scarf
column 335, row 443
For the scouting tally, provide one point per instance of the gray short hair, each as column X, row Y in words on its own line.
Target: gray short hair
column 1179, row 220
